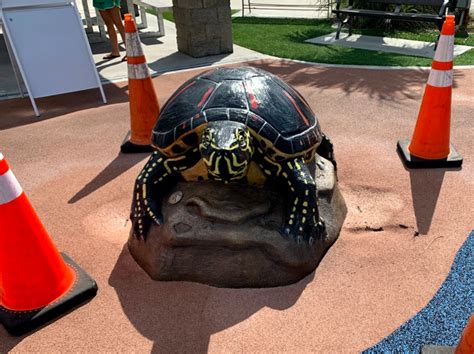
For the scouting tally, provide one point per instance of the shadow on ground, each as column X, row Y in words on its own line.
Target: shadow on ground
column 8, row 342
column 180, row 61
column 389, row 86
column 17, row 112
column 119, row 165
column 425, row 189
column 182, row 316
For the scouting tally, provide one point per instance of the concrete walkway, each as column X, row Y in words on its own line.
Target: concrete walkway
column 163, row 56
column 384, row 44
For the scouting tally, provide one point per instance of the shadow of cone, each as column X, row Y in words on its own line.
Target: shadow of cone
column 429, row 146
column 144, row 107
column 37, row 284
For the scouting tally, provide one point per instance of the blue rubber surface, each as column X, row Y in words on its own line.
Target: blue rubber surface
column 442, row 321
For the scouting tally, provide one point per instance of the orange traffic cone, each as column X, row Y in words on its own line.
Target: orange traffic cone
column 36, row 283
column 429, row 146
column 466, row 344
column 144, row 107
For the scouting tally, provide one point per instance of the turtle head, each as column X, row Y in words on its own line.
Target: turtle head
column 226, row 148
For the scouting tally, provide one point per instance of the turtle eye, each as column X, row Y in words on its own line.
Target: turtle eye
column 206, row 137
column 241, row 138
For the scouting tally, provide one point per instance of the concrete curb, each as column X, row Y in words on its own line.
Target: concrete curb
column 367, row 67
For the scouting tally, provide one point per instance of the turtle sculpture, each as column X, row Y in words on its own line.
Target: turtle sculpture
column 235, row 125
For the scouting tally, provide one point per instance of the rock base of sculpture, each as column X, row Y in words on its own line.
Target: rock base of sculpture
column 230, row 235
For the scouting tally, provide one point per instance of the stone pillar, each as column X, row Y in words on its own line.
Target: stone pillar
column 203, row 27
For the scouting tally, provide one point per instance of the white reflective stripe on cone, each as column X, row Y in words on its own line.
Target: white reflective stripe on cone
column 440, row 78
column 10, row 189
column 1, row 156
column 138, row 71
column 133, row 44
column 445, row 48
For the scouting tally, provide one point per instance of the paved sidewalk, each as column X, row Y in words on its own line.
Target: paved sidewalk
column 384, row 44
column 162, row 55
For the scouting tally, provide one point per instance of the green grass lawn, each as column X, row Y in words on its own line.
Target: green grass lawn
column 285, row 38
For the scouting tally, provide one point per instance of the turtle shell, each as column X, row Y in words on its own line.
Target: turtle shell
column 267, row 105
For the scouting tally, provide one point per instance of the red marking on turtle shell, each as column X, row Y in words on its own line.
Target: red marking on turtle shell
column 180, row 92
column 252, row 98
column 297, row 108
column 205, row 96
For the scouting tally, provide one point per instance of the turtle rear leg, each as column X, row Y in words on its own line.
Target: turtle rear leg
column 303, row 221
column 326, row 150
column 150, row 186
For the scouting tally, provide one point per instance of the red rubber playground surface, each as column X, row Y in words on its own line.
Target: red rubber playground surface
column 376, row 276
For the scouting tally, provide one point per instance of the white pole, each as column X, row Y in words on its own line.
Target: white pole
column 25, row 79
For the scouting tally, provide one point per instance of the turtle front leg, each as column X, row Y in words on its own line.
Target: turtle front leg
column 150, row 186
column 303, row 220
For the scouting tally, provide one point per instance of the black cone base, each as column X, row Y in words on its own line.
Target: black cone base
column 18, row 323
column 453, row 160
column 130, row 148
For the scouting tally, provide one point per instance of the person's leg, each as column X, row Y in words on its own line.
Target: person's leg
column 116, row 18
column 111, row 32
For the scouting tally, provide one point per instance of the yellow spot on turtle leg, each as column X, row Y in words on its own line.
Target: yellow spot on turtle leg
column 296, row 201
column 162, row 177
column 290, row 222
column 305, row 211
column 306, row 192
column 303, row 220
column 285, row 174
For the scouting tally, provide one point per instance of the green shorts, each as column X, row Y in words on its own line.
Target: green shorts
column 106, row 4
